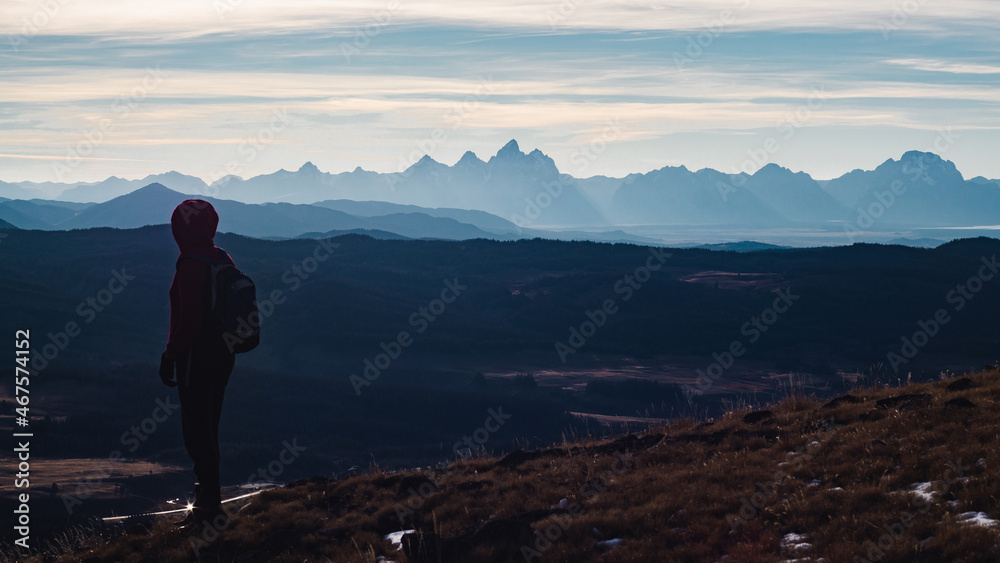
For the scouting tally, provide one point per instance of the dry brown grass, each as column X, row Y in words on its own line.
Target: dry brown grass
column 705, row 491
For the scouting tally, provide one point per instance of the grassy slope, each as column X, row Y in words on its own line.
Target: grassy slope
column 838, row 475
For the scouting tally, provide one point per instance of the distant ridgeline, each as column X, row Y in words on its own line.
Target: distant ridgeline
column 516, row 194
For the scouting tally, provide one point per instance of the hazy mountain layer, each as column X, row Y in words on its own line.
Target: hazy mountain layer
column 527, row 190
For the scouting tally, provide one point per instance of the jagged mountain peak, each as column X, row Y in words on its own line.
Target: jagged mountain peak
column 425, row 163
column 669, row 170
column 511, row 148
column 511, row 157
column 771, row 168
column 928, row 162
column 773, row 171
column 469, row 158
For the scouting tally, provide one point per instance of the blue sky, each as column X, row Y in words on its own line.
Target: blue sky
column 209, row 87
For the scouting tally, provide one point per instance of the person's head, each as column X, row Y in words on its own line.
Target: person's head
column 193, row 223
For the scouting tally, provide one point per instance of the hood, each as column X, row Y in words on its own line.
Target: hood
column 193, row 224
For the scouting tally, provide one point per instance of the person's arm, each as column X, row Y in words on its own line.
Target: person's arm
column 190, row 281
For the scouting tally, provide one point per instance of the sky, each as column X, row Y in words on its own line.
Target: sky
column 95, row 88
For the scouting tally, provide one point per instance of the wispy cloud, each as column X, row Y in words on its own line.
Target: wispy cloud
column 952, row 67
column 190, row 18
column 54, row 157
column 559, row 69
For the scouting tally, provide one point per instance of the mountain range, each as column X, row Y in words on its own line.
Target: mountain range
column 151, row 205
column 514, row 192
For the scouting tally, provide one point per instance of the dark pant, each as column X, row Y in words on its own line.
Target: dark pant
column 202, row 374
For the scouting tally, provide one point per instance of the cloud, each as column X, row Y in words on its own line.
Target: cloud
column 190, row 18
column 952, row 67
column 52, row 158
column 558, row 69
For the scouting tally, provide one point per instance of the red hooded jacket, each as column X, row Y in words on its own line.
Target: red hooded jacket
column 193, row 224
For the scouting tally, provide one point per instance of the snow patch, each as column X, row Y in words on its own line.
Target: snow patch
column 396, row 538
column 795, row 543
column 923, row 490
column 977, row 519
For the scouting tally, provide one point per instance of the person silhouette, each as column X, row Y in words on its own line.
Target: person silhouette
column 196, row 359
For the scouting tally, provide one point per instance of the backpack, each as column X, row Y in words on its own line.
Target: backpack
column 233, row 306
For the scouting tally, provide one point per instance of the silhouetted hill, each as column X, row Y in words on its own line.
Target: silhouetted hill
column 743, row 246
column 283, row 220
column 921, row 242
column 25, row 215
column 38, row 212
column 480, row 219
column 422, row 225
column 373, row 233
column 75, row 206
column 523, row 297
column 152, row 205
